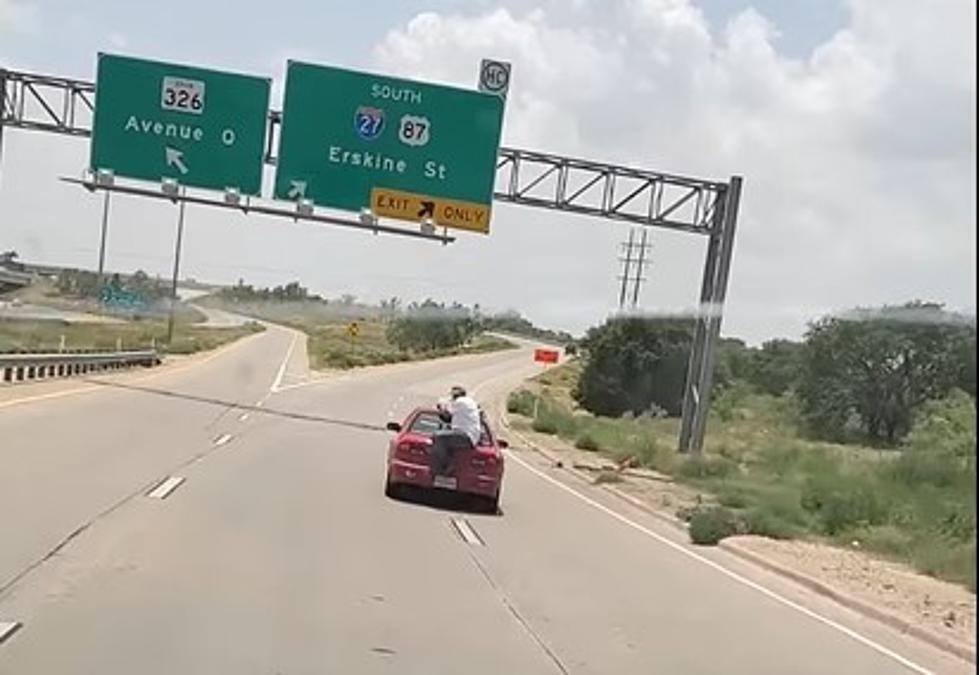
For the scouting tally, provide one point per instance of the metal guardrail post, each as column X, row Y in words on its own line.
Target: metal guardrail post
column 23, row 367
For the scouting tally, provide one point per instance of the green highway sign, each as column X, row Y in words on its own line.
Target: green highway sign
column 203, row 128
column 402, row 148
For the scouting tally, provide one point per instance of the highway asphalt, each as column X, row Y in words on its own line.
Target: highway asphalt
column 277, row 552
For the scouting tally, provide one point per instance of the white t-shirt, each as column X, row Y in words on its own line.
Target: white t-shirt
column 465, row 418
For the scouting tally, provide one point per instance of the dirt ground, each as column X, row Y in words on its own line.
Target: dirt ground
column 946, row 609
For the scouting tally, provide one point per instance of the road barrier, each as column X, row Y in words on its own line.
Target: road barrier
column 31, row 367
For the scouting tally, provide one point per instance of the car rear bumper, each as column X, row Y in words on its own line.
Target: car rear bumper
column 408, row 473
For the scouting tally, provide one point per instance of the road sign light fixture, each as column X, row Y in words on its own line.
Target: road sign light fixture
column 367, row 217
column 104, row 177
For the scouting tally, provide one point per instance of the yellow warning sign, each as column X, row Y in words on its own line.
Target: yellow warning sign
column 416, row 208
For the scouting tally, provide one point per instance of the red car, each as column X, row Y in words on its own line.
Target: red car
column 477, row 472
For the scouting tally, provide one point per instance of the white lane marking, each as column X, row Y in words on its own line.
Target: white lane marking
column 8, row 628
column 867, row 642
column 221, row 440
column 277, row 382
column 465, row 531
column 243, row 417
column 163, row 490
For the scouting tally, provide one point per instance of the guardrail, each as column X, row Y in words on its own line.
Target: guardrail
column 31, row 367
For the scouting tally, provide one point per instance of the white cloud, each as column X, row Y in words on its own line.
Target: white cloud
column 858, row 160
column 17, row 16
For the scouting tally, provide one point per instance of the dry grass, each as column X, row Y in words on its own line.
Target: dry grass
column 30, row 335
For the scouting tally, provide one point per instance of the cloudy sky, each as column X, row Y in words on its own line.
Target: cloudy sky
column 852, row 122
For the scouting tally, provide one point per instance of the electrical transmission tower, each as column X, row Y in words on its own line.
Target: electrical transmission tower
column 634, row 263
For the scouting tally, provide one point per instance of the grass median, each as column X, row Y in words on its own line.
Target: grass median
column 52, row 335
column 761, row 475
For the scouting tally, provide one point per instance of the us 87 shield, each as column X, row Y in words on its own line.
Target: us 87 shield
column 182, row 95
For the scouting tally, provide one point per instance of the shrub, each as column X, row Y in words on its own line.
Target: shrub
column 553, row 416
column 730, row 401
column 768, row 523
column 941, row 448
column 917, row 467
column 652, row 455
column 521, row 403
column 709, row 525
column 779, row 460
column 587, row 442
column 707, row 467
column 948, row 560
column 840, row 503
column 732, row 497
column 887, row 539
column 544, row 426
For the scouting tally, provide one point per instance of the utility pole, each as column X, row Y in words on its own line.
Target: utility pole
column 640, row 268
column 626, row 261
column 636, row 254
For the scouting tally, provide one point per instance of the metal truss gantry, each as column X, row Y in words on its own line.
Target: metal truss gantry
column 527, row 178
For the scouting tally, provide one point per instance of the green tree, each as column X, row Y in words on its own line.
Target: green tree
column 872, row 370
column 776, row 366
column 634, row 363
column 430, row 325
column 967, row 372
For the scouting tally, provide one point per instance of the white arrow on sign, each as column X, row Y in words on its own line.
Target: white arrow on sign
column 297, row 189
column 175, row 158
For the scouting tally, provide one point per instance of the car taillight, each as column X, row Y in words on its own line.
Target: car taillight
column 411, row 450
column 485, row 461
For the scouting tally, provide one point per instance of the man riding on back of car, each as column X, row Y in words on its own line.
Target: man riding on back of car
column 464, row 418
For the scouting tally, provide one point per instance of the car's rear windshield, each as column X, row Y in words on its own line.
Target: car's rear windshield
column 428, row 423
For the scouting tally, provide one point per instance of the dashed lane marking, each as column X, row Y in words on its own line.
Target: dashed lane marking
column 163, row 490
column 8, row 628
column 466, row 531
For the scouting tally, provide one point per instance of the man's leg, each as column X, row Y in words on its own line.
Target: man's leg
column 456, row 441
column 444, row 446
column 440, row 452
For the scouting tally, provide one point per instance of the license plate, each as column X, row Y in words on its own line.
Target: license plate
column 447, row 482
